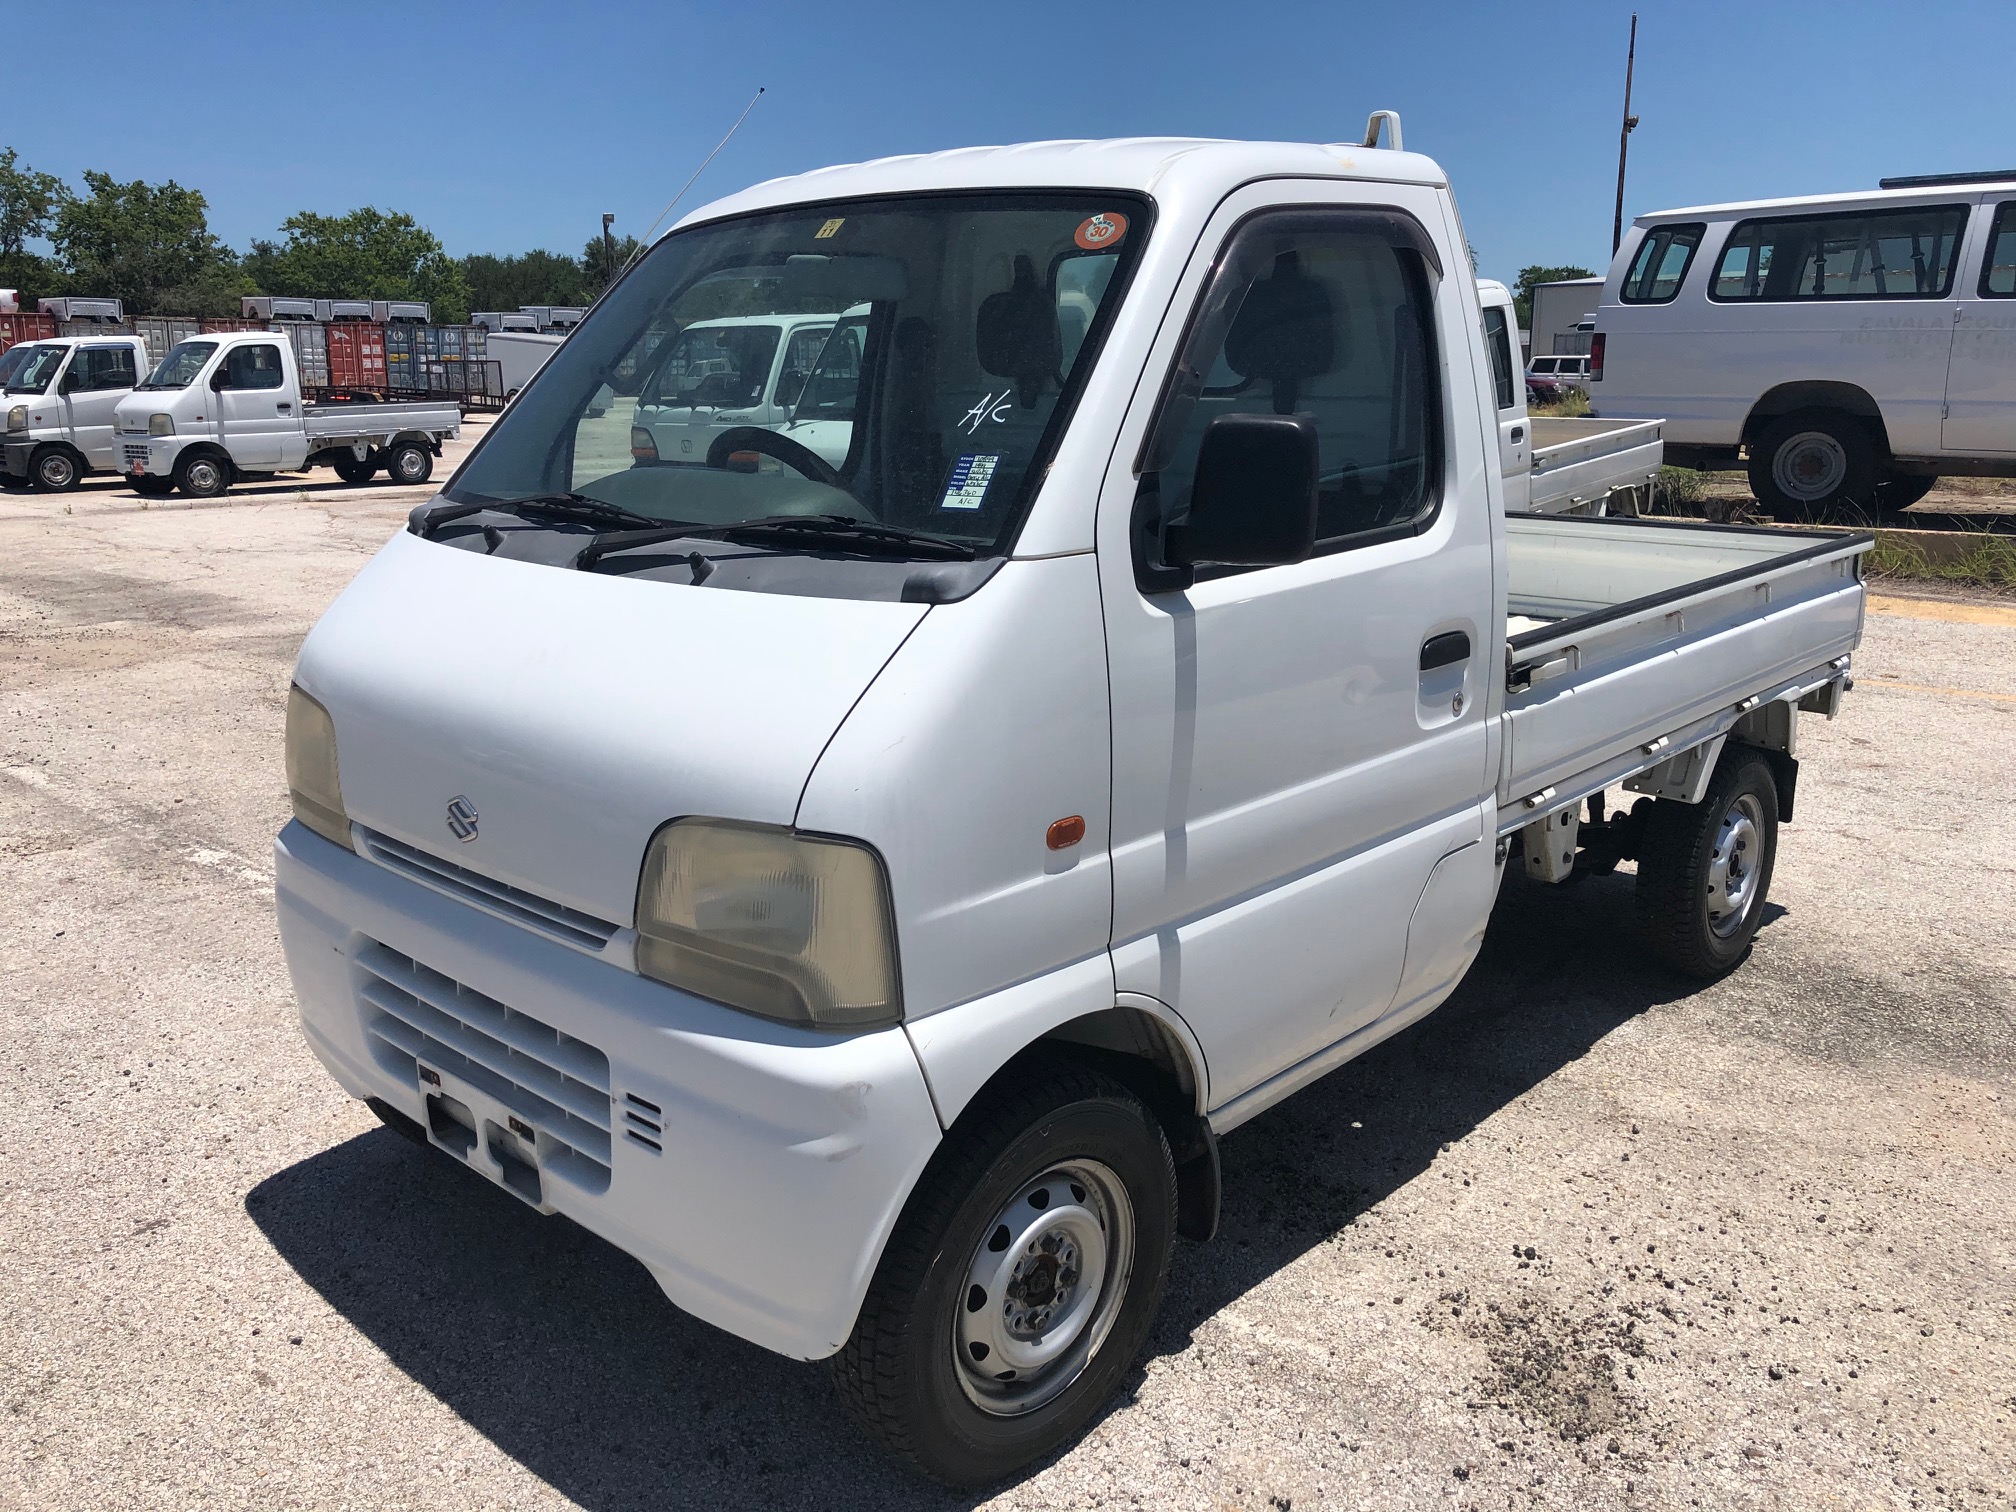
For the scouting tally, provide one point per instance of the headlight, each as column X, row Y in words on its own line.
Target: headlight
column 643, row 445
column 160, row 425
column 311, row 769
column 792, row 927
column 17, row 417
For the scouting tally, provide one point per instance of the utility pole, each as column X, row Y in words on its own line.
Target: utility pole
column 609, row 251
column 1624, row 138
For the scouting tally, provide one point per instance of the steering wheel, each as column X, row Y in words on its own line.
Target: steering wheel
column 753, row 438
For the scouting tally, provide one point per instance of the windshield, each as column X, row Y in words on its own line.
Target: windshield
column 951, row 334
column 12, row 359
column 40, row 365
column 179, row 368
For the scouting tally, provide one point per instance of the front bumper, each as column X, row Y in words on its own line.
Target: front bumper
column 14, row 455
column 754, row 1168
column 139, row 456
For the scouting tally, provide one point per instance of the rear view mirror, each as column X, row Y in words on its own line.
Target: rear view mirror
column 837, row 282
column 1016, row 334
column 1254, row 500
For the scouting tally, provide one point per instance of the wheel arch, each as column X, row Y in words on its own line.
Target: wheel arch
column 1816, row 394
column 67, row 448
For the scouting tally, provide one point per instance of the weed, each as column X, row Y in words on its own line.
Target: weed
column 1989, row 561
column 1571, row 405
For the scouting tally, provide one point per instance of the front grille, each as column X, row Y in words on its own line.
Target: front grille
column 137, row 454
column 560, row 1085
column 643, row 1123
column 568, row 925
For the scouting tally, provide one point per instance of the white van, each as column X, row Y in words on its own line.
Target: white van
column 1850, row 347
column 864, row 892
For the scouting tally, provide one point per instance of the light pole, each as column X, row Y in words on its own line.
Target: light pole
column 609, row 252
column 1624, row 139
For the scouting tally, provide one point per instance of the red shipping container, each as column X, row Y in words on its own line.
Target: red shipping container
column 27, row 326
column 357, row 355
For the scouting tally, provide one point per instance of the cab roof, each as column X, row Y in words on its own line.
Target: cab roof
column 1194, row 166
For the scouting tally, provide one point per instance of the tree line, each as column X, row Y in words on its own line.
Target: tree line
column 151, row 245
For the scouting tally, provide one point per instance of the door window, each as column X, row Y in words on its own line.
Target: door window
column 253, row 367
column 1908, row 253
column 1329, row 314
column 1661, row 264
column 106, row 368
column 799, row 356
column 1998, row 268
column 1499, row 344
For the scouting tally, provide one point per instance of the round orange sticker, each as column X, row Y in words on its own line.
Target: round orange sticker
column 1102, row 230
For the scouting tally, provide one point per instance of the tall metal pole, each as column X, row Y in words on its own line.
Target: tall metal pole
column 1624, row 138
column 608, row 253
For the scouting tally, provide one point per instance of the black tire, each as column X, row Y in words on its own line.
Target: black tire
column 149, row 486
column 1899, row 491
column 1811, row 462
column 55, row 469
column 899, row 1374
column 1691, row 857
column 202, row 475
column 409, row 464
column 350, row 470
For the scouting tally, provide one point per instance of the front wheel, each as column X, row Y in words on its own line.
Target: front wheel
column 202, row 476
column 1899, row 491
column 1021, row 1280
column 54, row 470
column 409, row 463
column 1704, row 869
column 1806, row 464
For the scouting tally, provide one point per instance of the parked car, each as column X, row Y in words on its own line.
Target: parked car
column 865, row 893
column 225, row 406
column 60, row 401
column 1847, row 348
column 1558, row 375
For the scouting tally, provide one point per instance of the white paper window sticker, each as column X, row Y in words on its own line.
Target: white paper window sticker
column 968, row 486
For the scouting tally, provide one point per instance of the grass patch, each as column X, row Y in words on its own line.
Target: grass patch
column 1681, row 486
column 1572, row 405
column 1983, row 561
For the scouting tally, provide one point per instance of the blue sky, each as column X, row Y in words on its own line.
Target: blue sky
column 513, row 124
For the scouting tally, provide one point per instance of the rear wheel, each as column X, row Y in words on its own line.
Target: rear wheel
column 1704, row 868
column 1899, row 491
column 1021, row 1281
column 149, row 486
column 201, row 475
column 1811, row 462
column 409, row 463
column 350, row 470
column 54, row 469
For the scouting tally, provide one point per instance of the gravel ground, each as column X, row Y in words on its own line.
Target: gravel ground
column 1586, row 1238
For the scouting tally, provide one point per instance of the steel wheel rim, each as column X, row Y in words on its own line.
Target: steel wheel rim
column 203, row 476
column 1734, row 865
column 1810, row 466
column 1043, row 1288
column 57, row 471
column 408, row 464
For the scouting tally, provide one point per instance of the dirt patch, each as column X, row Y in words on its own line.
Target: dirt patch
column 1546, row 1366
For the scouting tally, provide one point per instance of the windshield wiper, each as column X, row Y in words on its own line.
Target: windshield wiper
column 843, row 531
column 427, row 519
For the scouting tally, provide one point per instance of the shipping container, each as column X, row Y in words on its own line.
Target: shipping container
column 311, row 350
column 161, row 332
column 86, row 327
column 25, row 327
column 357, row 356
column 211, row 323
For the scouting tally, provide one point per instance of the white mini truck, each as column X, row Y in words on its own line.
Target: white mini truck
column 225, row 406
column 60, row 395
column 865, row 892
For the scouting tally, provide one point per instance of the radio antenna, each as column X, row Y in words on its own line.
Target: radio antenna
column 645, row 240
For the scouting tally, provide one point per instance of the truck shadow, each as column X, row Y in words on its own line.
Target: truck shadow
column 564, row 1354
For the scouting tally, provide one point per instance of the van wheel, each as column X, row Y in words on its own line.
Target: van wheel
column 1021, row 1280
column 409, row 464
column 54, row 470
column 202, row 476
column 350, row 470
column 1899, row 491
column 1704, row 868
column 1808, row 462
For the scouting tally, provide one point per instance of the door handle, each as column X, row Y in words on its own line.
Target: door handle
column 1444, row 650
column 283, row 407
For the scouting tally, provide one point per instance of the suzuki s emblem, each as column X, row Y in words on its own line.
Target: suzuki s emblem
column 461, row 818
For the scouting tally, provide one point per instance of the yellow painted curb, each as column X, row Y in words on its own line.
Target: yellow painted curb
column 1944, row 610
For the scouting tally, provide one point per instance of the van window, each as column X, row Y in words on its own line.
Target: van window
column 1907, row 253
column 1327, row 314
column 1661, row 264
column 1998, row 268
column 1499, row 345
column 106, row 368
column 1546, row 366
column 253, row 367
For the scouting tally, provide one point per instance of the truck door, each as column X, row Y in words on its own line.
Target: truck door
column 257, row 411
column 98, row 378
column 1508, row 392
column 1296, row 748
column 1981, row 381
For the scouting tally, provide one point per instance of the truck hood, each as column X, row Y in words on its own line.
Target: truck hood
column 576, row 713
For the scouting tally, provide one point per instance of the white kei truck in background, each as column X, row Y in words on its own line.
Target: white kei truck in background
column 228, row 405
column 1850, row 349
column 60, row 397
column 1561, row 464
column 866, row 892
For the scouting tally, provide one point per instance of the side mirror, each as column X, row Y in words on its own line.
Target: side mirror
column 1254, row 500
column 72, row 382
column 218, row 381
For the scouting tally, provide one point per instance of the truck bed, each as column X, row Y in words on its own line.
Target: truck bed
column 1631, row 641
column 326, row 423
column 1579, row 460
